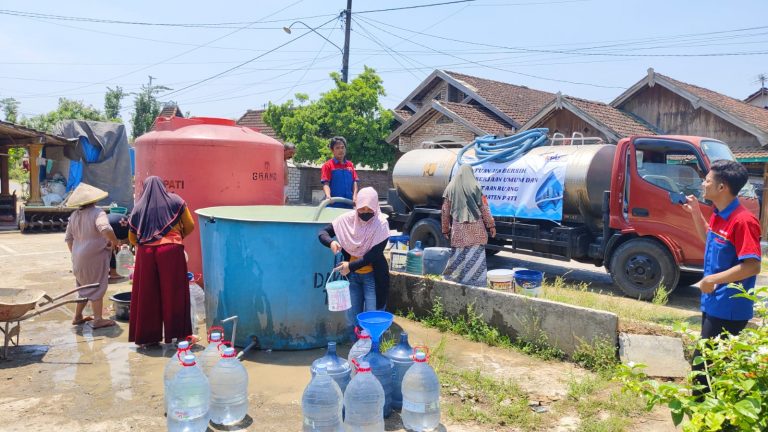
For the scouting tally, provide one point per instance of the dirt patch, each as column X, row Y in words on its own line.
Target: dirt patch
column 645, row 328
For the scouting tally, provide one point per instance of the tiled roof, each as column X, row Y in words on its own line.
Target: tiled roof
column 621, row 122
column 171, row 110
column 751, row 114
column 404, row 114
column 518, row 102
column 479, row 116
column 252, row 119
column 749, row 152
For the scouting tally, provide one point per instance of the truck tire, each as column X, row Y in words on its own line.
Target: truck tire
column 429, row 232
column 689, row 278
column 640, row 266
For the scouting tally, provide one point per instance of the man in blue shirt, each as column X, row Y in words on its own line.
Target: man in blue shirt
column 732, row 252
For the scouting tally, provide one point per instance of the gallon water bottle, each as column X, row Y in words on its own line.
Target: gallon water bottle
column 336, row 367
column 381, row 367
column 189, row 399
column 229, row 390
column 360, row 348
column 174, row 366
column 211, row 354
column 414, row 263
column 196, row 302
column 400, row 355
column 421, row 396
column 321, row 403
column 124, row 261
column 364, row 402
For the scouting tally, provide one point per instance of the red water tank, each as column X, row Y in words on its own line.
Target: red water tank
column 210, row 162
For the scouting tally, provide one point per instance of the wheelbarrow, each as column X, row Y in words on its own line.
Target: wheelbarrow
column 17, row 305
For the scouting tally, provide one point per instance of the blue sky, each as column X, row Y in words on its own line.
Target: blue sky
column 592, row 48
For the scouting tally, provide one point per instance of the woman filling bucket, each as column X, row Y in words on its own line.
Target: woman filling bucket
column 361, row 236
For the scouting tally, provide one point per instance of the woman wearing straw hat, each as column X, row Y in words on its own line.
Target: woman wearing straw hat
column 465, row 218
column 160, row 295
column 90, row 240
column 361, row 236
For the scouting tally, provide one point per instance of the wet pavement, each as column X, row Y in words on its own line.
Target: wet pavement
column 72, row 378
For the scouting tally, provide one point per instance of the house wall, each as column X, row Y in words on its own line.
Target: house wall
column 440, row 92
column 760, row 101
column 431, row 130
column 673, row 114
column 309, row 182
column 567, row 123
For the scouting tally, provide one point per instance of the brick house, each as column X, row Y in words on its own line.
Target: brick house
column 169, row 110
column 453, row 107
column 758, row 98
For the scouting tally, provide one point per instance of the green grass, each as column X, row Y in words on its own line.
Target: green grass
column 626, row 308
column 601, row 405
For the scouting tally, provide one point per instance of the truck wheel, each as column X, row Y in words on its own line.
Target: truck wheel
column 640, row 266
column 428, row 231
column 689, row 278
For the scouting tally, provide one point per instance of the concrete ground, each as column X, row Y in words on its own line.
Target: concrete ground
column 72, row 378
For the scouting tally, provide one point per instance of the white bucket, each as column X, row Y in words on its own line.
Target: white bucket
column 338, row 294
column 501, row 279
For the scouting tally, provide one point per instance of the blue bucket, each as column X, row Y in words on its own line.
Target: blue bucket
column 528, row 282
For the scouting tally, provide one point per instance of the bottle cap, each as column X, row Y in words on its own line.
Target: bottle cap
column 421, row 357
column 364, row 367
column 188, row 360
column 229, row 352
column 183, row 345
column 362, row 334
column 215, row 336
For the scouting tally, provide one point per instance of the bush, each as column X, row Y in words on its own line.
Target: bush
column 736, row 368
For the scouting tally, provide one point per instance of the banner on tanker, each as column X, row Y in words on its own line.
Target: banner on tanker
column 530, row 187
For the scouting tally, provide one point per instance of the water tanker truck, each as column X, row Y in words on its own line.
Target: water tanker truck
column 616, row 206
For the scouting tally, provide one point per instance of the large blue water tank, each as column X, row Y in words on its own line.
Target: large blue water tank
column 266, row 265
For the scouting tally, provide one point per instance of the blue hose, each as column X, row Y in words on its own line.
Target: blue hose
column 504, row 150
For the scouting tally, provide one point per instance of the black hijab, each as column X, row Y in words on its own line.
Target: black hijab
column 156, row 212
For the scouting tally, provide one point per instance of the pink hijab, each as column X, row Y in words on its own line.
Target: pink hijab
column 358, row 237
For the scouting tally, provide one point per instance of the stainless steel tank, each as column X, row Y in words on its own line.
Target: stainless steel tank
column 421, row 176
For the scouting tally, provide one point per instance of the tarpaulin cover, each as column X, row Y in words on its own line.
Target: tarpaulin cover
column 108, row 169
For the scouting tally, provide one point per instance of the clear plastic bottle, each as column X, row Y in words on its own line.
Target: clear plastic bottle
column 196, row 302
column 189, row 399
column 382, row 368
column 173, row 366
column 229, row 390
column 421, row 396
column 211, row 355
column 401, row 356
column 124, row 261
column 321, row 403
column 336, row 367
column 364, row 402
column 360, row 348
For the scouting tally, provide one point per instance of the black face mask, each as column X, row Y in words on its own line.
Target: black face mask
column 365, row 216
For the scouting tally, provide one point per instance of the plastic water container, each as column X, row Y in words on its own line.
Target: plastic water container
column 382, row 369
column 360, row 348
column 211, row 355
column 196, row 302
column 338, row 294
column 364, row 402
column 124, row 261
column 501, row 279
column 421, row 396
column 337, row 368
column 436, row 259
column 229, row 390
column 173, row 366
column 321, row 404
column 528, row 282
column 189, row 399
column 415, row 262
column 400, row 355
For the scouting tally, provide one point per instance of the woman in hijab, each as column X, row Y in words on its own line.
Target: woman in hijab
column 465, row 218
column 160, row 296
column 361, row 236
column 90, row 240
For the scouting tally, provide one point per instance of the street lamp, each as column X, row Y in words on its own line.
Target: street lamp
column 344, row 51
column 288, row 30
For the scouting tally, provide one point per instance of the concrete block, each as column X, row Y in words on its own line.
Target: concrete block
column 663, row 355
column 563, row 326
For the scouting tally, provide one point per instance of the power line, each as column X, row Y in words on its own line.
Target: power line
column 414, row 6
column 306, row 70
column 372, row 38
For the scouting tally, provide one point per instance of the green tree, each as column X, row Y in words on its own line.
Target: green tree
column 10, row 109
column 350, row 109
column 68, row 109
column 146, row 108
column 113, row 98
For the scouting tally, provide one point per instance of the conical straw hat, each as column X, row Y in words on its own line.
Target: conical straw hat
column 85, row 194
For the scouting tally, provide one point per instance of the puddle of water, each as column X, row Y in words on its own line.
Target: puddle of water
column 119, row 369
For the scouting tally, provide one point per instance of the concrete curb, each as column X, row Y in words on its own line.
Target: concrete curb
column 564, row 326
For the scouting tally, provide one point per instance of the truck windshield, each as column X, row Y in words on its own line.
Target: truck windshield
column 715, row 150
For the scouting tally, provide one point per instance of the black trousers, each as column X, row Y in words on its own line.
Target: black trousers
column 712, row 327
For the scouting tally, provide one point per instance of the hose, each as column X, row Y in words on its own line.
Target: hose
column 504, row 150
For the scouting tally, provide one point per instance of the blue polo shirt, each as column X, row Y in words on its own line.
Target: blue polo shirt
column 733, row 236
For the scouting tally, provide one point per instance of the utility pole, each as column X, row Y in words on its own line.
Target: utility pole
column 345, row 60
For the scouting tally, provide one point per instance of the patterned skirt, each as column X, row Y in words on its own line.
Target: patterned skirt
column 467, row 266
